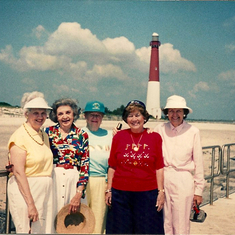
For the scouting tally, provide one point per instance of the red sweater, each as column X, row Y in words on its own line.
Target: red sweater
column 136, row 170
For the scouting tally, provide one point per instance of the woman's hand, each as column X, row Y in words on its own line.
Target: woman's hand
column 108, row 198
column 160, row 200
column 32, row 213
column 75, row 203
column 197, row 200
column 117, row 128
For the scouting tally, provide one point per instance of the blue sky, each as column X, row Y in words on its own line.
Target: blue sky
column 99, row 50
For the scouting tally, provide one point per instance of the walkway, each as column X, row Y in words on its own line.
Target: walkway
column 220, row 218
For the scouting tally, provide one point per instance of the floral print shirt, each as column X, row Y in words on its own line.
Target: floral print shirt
column 72, row 150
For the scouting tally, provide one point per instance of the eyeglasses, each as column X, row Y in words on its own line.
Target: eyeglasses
column 95, row 115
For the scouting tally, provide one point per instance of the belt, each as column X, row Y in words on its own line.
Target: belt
column 65, row 166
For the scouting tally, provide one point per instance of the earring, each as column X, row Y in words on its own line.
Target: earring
column 184, row 115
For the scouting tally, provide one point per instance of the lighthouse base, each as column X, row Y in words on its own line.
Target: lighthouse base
column 153, row 99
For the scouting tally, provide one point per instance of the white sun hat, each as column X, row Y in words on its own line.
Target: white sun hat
column 37, row 103
column 177, row 102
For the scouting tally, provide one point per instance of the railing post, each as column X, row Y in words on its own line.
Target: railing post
column 226, row 171
column 8, row 216
column 212, row 173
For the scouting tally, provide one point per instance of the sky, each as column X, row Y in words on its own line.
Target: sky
column 99, row 50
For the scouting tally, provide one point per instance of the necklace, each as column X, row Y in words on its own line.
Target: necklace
column 136, row 146
column 32, row 136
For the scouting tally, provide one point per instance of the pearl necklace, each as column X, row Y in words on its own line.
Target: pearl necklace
column 136, row 146
column 32, row 136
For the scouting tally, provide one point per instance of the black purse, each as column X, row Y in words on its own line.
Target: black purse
column 197, row 215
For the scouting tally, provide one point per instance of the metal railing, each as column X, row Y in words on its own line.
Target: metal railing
column 215, row 170
column 7, row 223
column 220, row 165
column 225, row 164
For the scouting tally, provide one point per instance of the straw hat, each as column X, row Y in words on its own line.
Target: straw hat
column 82, row 221
column 177, row 102
column 37, row 103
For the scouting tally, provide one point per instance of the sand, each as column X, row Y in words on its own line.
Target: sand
column 211, row 134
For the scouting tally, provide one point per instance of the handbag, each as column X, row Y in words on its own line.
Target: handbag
column 197, row 215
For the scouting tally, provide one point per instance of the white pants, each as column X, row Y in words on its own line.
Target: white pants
column 41, row 190
column 179, row 191
column 96, row 201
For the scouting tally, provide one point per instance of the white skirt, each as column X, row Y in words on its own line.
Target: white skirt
column 64, row 186
column 41, row 190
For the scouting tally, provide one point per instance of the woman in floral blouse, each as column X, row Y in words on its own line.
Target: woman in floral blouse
column 69, row 145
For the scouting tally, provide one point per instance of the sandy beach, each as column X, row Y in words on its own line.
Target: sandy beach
column 211, row 134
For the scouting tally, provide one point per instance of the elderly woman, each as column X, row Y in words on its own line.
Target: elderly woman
column 182, row 154
column 30, row 186
column 135, row 190
column 99, row 145
column 69, row 145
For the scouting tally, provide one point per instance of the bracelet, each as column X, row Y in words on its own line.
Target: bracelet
column 161, row 190
column 108, row 191
column 79, row 191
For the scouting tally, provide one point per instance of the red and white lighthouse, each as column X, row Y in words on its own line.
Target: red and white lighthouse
column 153, row 91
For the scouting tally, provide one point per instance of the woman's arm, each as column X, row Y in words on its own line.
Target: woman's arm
column 161, row 193
column 83, row 176
column 18, row 159
column 108, row 193
column 76, row 200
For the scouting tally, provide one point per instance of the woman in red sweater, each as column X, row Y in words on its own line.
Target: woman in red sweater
column 135, row 193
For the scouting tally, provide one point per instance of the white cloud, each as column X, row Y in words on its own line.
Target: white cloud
column 201, row 86
column 61, row 88
column 81, row 54
column 39, row 31
column 106, row 71
column 170, row 59
column 7, row 56
column 230, row 47
column 119, row 46
column 228, row 75
column 71, row 39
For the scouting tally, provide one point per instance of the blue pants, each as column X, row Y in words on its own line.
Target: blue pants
column 134, row 213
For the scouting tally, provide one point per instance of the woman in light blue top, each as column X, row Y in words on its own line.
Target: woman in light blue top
column 99, row 145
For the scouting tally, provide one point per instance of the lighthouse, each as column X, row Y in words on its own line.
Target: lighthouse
column 153, row 91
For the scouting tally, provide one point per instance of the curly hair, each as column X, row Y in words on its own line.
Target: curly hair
column 133, row 107
column 63, row 102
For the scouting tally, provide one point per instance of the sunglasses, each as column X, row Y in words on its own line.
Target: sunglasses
column 136, row 102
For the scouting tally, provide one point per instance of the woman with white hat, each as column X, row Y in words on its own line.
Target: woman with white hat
column 30, row 185
column 69, row 145
column 182, row 153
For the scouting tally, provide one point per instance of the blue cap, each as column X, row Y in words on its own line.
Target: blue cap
column 94, row 106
